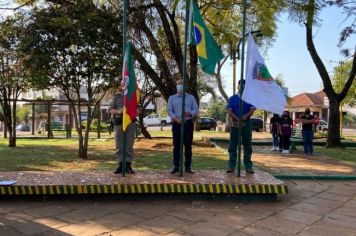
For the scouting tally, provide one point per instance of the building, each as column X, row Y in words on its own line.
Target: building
column 317, row 102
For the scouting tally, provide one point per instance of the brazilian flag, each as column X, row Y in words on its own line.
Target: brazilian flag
column 209, row 52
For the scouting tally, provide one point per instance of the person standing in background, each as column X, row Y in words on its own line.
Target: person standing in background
column 273, row 127
column 307, row 121
column 285, row 129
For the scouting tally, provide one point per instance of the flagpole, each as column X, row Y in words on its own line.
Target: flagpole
column 124, row 41
column 240, row 90
column 187, row 10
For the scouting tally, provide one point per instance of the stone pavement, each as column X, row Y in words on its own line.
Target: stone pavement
column 310, row 208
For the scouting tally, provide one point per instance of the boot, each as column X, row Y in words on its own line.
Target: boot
column 119, row 169
column 129, row 169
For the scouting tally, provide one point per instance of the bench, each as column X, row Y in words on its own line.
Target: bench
column 55, row 127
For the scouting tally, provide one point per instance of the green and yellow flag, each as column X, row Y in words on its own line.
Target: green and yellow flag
column 209, row 52
column 131, row 91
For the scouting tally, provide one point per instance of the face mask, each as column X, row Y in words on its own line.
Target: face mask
column 179, row 88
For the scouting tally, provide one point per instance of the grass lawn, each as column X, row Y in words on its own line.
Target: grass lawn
column 344, row 155
column 61, row 155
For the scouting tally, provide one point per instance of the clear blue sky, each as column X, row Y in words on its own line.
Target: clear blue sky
column 289, row 56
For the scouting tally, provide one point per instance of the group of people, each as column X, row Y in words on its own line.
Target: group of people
column 281, row 129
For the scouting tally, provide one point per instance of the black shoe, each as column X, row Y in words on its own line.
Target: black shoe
column 188, row 170
column 119, row 169
column 175, row 170
column 250, row 171
column 129, row 169
column 230, row 171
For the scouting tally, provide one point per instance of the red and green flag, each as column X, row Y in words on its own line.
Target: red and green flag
column 131, row 91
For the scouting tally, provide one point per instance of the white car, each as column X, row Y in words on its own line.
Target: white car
column 154, row 119
column 322, row 126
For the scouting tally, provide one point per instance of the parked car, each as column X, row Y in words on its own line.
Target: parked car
column 207, row 123
column 154, row 119
column 257, row 124
column 322, row 126
column 22, row 127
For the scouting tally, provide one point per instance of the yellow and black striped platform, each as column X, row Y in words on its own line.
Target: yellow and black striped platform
column 144, row 188
column 149, row 182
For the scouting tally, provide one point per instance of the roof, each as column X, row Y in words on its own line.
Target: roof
column 308, row 99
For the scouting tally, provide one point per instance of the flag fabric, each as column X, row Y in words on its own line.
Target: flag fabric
column 209, row 52
column 131, row 92
column 261, row 90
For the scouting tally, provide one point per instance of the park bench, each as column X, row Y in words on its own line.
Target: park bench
column 59, row 127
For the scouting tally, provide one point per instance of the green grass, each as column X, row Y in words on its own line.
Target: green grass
column 61, row 155
column 344, row 155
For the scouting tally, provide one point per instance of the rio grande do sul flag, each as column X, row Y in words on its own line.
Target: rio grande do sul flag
column 261, row 90
column 131, row 92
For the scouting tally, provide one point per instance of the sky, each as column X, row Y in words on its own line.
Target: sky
column 289, row 56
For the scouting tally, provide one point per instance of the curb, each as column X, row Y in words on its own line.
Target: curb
column 317, row 177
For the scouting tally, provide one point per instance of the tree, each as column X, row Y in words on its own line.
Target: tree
column 12, row 72
column 340, row 75
column 217, row 110
column 307, row 13
column 75, row 48
column 23, row 114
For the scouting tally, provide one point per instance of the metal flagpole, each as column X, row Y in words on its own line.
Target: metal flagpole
column 187, row 10
column 240, row 89
column 124, row 40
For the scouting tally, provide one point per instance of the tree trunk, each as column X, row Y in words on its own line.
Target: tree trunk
column 219, row 80
column 144, row 131
column 333, row 139
column 81, row 151
column 5, row 130
column 12, row 138
column 87, row 131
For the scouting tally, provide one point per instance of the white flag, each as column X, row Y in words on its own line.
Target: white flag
column 261, row 90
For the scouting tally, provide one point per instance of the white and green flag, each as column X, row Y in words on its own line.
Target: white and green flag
column 261, row 90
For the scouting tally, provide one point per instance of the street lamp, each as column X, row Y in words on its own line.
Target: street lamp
column 235, row 55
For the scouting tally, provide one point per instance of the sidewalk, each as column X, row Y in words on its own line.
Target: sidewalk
column 296, row 163
column 310, row 208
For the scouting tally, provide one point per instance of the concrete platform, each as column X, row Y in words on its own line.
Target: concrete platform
column 147, row 182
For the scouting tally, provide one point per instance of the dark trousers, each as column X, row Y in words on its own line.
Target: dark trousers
column 188, row 140
column 308, row 137
column 246, row 135
column 285, row 141
column 275, row 139
column 280, row 142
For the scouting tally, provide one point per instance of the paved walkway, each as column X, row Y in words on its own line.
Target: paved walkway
column 311, row 208
column 299, row 164
column 296, row 163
